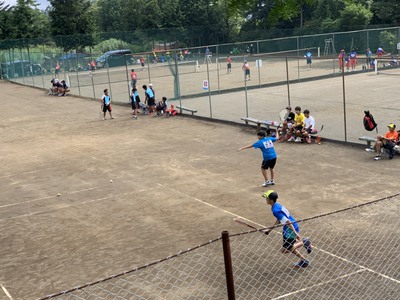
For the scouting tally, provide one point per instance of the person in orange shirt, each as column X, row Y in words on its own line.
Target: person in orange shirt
column 228, row 65
column 246, row 69
column 388, row 141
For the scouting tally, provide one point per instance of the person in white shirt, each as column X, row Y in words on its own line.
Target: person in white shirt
column 309, row 126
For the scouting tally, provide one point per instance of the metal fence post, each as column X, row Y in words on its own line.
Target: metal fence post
column 209, row 90
column 228, row 265
column 287, row 80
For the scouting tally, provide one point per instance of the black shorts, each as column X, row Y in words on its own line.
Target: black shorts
column 107, row 108
column 134, row 105
column 298, row 127
column 151, row 102
column 288, row 243
column 268, row 164
column 229, row 66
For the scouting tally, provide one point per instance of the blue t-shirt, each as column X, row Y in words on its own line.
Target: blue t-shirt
column 308, row 55
column 282, row 215
column 106, row 99
column 266, row 145
column 150, row 93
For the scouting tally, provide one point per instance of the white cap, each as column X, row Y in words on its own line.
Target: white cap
column 150, row 84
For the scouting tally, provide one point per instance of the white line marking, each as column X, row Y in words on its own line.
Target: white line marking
column 48, row 197
column 319, row 284
column 326, row 252
column 27, row 172
column 6, row 292
column 209, row 204
column 71, row 205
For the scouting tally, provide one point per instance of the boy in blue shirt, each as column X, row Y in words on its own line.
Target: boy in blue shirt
column 265, row 144
column 308, row 57
column 106, row 105
column 291, row 238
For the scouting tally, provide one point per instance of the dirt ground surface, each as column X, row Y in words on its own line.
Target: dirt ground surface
column 133, row 191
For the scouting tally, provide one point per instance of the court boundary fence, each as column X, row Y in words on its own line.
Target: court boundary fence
column 360, row 240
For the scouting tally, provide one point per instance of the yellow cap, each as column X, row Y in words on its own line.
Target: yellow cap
column 267, row 193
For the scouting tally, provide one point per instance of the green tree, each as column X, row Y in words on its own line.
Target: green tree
column 5, row 21
column 354, row 15
column 387, row 10
column 326, row 14
column 388, row 41
column 72, row 23
column 170, row 13
column 112, row 15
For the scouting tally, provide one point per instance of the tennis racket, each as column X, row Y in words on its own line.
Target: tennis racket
column 283, row 114
column 242, row 222
column 319, row 136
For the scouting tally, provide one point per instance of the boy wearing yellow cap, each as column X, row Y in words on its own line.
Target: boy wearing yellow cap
column 388, row 141
column 291, row 238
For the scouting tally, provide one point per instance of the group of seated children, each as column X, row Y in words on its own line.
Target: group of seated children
column 150, row 105
column 297, row 127
column 389, row 142
column 58, row 88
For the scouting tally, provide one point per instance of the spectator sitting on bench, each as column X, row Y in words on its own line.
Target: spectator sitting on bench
column 297, row 127
column 309, row 126
column 388, row 141
column 287, row 123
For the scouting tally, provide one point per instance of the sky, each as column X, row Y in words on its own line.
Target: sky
column 42, row 3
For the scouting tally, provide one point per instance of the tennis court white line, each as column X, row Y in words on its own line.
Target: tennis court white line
column 26, row 172
column 209, row 204
column 6, row 292
column 48, row 197
column 317, row 285
column 262, row 226
column 75, row 204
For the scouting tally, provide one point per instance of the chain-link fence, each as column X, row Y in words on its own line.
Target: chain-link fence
column 199, row 77
column 355, row 255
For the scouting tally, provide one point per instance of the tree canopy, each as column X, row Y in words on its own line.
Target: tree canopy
column 209, row 20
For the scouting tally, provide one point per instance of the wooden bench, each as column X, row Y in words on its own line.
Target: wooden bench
column 182, row 108
column 266, row 123
column 367, row 139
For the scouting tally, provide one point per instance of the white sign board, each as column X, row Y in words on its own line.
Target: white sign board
column 205, row 85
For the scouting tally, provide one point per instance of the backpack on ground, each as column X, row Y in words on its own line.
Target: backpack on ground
column 369, row 122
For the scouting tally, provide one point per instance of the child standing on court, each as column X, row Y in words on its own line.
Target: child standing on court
column 135, row 100
column 106, row 104
column 266, row 145
column 246, row 69
column 228, row 65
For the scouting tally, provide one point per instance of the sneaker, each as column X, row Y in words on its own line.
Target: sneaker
column 378, row 157
column 303, row 263
column 104, row 119
column 307, row 245
column 297, row 140
column 369, row 149
column 266, row 183
column 271, row 182
column 112, row 117
column 135, row 117
column 291, row 139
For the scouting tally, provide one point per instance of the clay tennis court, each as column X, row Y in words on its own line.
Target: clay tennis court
column 176, row 182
